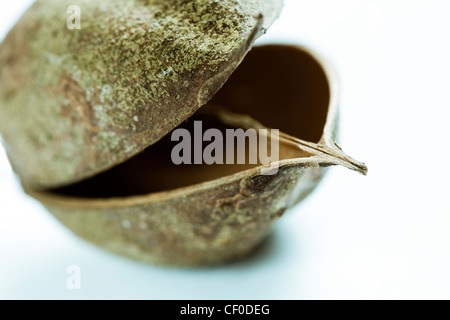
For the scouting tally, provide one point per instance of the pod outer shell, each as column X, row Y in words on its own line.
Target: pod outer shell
column 212, row 223
column 77, row 102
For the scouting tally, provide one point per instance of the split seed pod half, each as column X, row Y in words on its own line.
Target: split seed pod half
column 96, row 146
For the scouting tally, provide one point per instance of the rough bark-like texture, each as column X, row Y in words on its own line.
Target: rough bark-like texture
column 74, row 103
column 212, row 222
column 211, row 225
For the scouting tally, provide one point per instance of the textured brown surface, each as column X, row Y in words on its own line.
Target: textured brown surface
column 209, row 225
column 221, row 219
column 77, row 103
column 74, row 103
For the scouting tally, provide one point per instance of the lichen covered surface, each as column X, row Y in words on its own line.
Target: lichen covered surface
column 209, row 226
column 74, row 103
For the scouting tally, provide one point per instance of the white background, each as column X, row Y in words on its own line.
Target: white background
column 385, row 236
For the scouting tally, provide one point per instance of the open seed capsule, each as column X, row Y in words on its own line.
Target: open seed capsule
column 87, row 116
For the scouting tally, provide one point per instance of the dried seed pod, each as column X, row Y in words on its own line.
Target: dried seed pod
column 146, row 207
column 152, row 210
column 75, row 103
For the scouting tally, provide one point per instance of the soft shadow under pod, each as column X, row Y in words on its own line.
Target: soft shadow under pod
column 150, row 209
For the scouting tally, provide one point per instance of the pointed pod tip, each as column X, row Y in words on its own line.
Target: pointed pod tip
column 341, row 158
column 361, row 168
column 353, row 164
